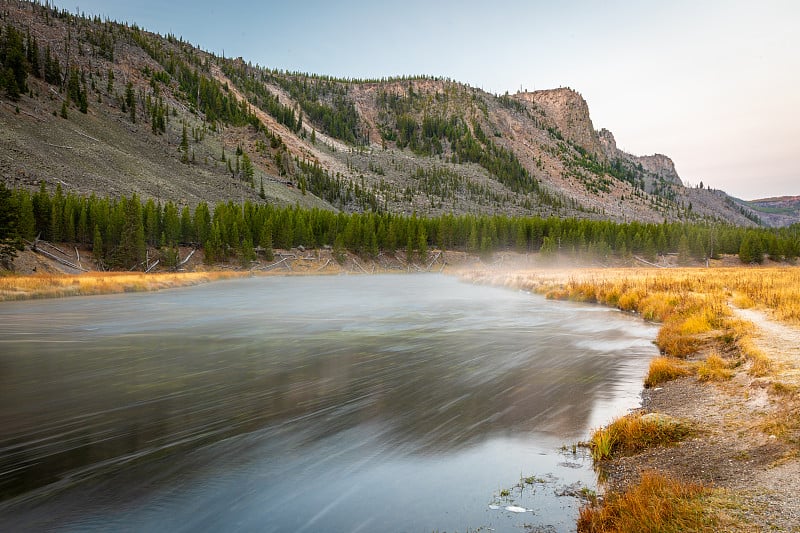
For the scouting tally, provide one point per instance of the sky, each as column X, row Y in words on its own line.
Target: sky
column 713, row 84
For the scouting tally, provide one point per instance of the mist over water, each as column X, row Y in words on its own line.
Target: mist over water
column 372, row 403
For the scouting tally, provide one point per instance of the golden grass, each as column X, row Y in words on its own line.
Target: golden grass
column 55, row 286
column 761, row 365
column 714, row 368
column 657, row 294
column 633, row 433
column 657, row 504
column 663, row 369
column 693, row 306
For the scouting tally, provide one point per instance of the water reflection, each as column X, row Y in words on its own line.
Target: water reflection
column 324, row 385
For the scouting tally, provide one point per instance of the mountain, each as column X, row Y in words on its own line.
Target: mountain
column 111, row 109
column 781, row 211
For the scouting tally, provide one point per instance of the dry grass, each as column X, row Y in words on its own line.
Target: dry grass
column 693, row 306
column 633, row 433
column 663, row 369
column 714, row 368
column 657, row 504
column 56, row 286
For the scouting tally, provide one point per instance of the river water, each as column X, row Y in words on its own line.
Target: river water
column 350, row 403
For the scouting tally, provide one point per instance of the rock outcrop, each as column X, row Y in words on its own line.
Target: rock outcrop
column 657, row 164
column 570, row 115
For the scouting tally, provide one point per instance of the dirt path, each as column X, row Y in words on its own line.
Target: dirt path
column 779, row 341
column 746, row 442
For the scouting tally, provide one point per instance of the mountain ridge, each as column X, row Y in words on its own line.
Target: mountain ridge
column 166, row 120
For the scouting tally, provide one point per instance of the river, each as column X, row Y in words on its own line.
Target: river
column 347, row 403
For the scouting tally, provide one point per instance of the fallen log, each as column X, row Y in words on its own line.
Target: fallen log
column 57, row 259
column 187, row 259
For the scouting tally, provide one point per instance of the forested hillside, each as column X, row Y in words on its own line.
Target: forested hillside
column 109, row 108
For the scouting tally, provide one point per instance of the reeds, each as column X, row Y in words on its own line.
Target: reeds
column 657, row 504
column 633, row 433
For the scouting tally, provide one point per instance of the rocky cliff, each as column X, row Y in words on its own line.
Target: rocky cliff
column 657, row 164
column 570, row 114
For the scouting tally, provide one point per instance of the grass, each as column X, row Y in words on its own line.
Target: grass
column 657, row 504
column 714, row 368
column 633, row 433
column 15, row 287
column 697, row 323
column 663, row 369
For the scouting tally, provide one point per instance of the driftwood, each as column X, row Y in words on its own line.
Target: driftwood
column 151, row 267
column 436, row 258
column 187, row 259
column 55, row 257
column 649, row 263
column 359, row 266
column 328, row 262
column 283, row 261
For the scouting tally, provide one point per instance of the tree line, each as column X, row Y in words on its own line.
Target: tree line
column 120, row 230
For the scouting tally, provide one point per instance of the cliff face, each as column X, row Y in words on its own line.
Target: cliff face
column 658, row 164
column 570, row 114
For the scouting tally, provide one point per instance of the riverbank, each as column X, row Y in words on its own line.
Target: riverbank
column 36, row 276
column 743, row 410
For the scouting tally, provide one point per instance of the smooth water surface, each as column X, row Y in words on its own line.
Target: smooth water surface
column 383, row 403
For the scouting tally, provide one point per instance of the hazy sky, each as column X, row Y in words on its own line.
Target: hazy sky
column 712, row 83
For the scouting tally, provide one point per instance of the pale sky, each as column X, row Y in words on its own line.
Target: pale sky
column 713, row 84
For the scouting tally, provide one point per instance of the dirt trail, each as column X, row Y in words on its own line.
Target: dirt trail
column 780, row 342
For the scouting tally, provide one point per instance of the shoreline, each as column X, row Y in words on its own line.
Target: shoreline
column 744, row 446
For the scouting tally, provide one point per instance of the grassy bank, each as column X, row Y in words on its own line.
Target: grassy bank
column 13, row 287
column 706, row 345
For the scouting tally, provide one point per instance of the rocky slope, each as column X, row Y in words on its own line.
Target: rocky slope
column 780, row 211
column 133, row 112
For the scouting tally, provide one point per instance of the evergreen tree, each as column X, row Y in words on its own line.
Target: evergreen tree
column 684, row 251
column 265, row 241
column 422, row 244
column 131, row 249
column 13, row 63
column 130, row 101
column 9, row 234
column 750, row 251
column 247, row 169
column 27, row 222
column 97, row 245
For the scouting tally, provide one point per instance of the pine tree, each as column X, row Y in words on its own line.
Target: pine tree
column 9, row 234
column 265, row 241
column 684, row 251
column 422, row 244
column 247, row 169
column 750, row 251
column 97, row 245
column 130, row 100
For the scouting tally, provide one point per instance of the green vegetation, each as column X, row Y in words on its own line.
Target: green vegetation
column 122, row 227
